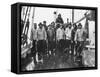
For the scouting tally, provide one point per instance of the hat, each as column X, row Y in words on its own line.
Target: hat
column 44, row 21
column 59, row 14
column 79, row 24
column 40, row 24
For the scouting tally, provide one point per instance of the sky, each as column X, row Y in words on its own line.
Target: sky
column 46, row 14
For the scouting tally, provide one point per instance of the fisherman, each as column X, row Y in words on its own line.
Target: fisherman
column 72, row 39
column 51, row 38
column 60, row 39
column 59, row 19
column 68, row 31
column 45, row 28
column 41, row 37
column 54, row 33
column 34, row 41
column 45, row 25
column 79, row 39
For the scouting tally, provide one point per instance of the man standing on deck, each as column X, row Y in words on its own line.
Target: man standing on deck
column 59, row 19
column 34, row 40
column 68, row 31
column 41, row 37
column 72, row 39
column 60, row 40
column 79, row 39
column 51, row 38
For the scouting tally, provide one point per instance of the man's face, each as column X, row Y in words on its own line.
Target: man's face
column 59, row 16
column 40, row 26
column 45, row 23
column 80, row 27
column 69, row 26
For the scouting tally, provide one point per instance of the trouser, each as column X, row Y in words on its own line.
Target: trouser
column 72, row 47
column 51, row 44
column 68, row 43
column 33, row 50
column 60, row 44
column 79, row 47
column 68, row 46
column 34, row 45
column 41, row 48
column 60, row 47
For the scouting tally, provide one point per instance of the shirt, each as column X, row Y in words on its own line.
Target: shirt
column 50, row 34
column 34, row 34
column 60, row 34
column 41, row 34
column 79, row 35
column 68, row 33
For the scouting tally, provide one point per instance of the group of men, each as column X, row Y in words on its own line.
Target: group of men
column 57, row 37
